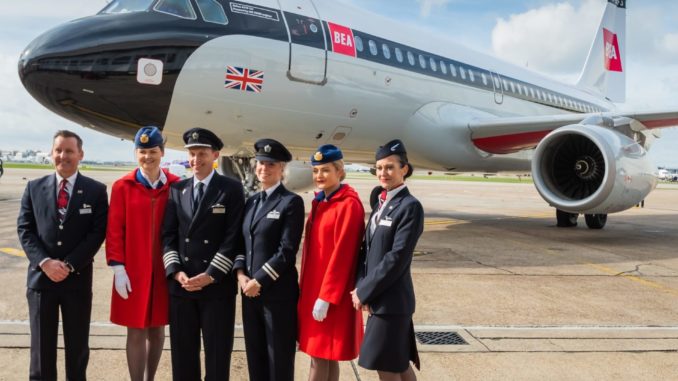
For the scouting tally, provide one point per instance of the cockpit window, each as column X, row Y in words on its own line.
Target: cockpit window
column 126, row 6
column 212, row 11
column 179, row 8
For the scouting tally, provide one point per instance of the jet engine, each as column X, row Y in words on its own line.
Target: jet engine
column 591, row 169
column 297, row 176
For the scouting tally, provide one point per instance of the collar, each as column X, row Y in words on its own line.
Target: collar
column 320, row 196
column 70, row 179
column 272, row 189
column 205, row 181
column 393, row 192
column 154, row 185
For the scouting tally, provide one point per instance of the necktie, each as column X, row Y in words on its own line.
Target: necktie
column 62, row 200
column 197, row 200
column 262, row 200
column 382, row 198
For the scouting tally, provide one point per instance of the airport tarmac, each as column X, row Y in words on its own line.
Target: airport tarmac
column 531, row 301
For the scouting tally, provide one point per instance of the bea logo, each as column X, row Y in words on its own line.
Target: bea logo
column 612, row 57
column 342, row 39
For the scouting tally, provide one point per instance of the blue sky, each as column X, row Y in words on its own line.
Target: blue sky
column 508, row 29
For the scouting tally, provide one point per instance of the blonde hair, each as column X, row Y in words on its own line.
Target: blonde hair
column 339, row 165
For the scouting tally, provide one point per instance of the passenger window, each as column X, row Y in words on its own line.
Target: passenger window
column 513, row 87
column 497, row 85
column 443, row 67
column 453, row 70
column 386, row 51
column 471, row 76
column 484, row 77
column 126, row 6
column 532, row 92
column 422, row 61
column 434, row 66
column 179, row 8
column 462, row 72
column 212, row 11
column 410, row 58
column 373, row 47
column 399, row 55
column 358, row 43
column 506, row 87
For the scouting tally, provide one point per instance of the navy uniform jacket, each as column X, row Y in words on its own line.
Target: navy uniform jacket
column 205, row 241
column 271, row 242
column 384, row 280
column 75, row 241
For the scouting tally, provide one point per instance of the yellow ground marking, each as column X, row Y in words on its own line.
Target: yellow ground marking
column 444, row 222
column 12, row 251
column 633, row 278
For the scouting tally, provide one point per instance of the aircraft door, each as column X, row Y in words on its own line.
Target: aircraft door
column 308, row 46
column 498, row 90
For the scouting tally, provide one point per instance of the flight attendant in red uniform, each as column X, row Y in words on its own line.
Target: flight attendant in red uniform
column 134, row 252
column 330, row 330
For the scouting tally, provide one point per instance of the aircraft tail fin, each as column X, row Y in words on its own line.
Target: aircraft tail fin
column 605, row 64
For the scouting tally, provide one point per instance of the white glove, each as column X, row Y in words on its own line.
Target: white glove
column 121, row 281
column 320, row 309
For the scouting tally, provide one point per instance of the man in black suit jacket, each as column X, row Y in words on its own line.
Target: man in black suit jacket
column 61, row 225
column 271, row 230
column 200, row 236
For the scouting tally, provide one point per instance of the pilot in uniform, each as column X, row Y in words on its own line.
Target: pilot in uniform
column 271, row 230
column 384, row 282
column 61, row 225
column 201, row 232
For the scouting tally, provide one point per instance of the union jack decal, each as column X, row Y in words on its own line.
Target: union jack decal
column 244, row 79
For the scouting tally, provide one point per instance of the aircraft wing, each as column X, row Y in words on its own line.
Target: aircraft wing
column 506, row 135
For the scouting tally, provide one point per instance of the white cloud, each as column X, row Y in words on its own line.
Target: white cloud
column 425, row 6
column 669, row 44
column 552, row 38
column 47, row 9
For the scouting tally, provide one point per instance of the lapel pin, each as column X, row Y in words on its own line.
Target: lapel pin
column 79, row 191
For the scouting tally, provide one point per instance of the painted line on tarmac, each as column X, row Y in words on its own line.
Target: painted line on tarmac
column 444, row 222
column 12, row 251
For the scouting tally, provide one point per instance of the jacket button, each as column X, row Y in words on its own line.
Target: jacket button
column 61, row 227
column 186, row 259
column 204, row 261
column 187, row 240
column 58, row 243
column 206, row 241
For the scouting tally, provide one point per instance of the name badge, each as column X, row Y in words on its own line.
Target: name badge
column 86, row 211
column 274, row 215
column 218, row 209
column 385, row 222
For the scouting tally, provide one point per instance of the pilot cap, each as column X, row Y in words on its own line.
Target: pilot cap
column 326, row 154
column 200, row 137
column 271, row 150
column 148, row 137
column 394, row 147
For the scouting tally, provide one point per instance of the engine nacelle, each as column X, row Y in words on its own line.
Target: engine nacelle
column 589, row 169
column 298, row 176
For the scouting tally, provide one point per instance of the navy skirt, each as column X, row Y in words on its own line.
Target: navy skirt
column 389, row 344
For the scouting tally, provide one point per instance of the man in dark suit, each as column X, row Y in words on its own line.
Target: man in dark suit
column 384, row 282
column 61, row 225
column 201, row 230
column 272, row 227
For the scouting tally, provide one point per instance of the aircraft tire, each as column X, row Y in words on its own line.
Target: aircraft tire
column 596, row 221
column 566, row 219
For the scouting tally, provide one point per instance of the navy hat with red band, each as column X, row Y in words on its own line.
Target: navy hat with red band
column 148, row 137
column 200, row 137
column 271, row 150
column 326, row 153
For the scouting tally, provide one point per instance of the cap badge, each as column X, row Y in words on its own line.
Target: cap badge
column 267, row 148
column 318, row 156
column 394, row 147
column 195, row 136
column 143, row 138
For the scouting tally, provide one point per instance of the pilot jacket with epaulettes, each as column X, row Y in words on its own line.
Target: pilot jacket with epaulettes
column 384, row 281
column 204, row 241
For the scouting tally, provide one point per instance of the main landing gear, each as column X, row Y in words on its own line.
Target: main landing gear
column 569, row 220
column 240, row 167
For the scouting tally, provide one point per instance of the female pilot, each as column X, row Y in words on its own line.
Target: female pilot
column 134, row 252
column 330, row 330
column 272, row 227
column 384, row 286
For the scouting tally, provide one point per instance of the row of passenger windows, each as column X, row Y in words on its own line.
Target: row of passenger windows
column 471, row 75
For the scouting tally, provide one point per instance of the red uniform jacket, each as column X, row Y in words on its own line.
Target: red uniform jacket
column 133, row 239
column 334, row 232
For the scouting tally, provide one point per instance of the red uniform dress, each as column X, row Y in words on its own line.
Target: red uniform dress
column 334, row 232
column 133, row 238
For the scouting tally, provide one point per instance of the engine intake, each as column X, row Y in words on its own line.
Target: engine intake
column 590, row 169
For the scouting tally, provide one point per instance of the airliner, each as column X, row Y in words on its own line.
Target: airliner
column 310, row 72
